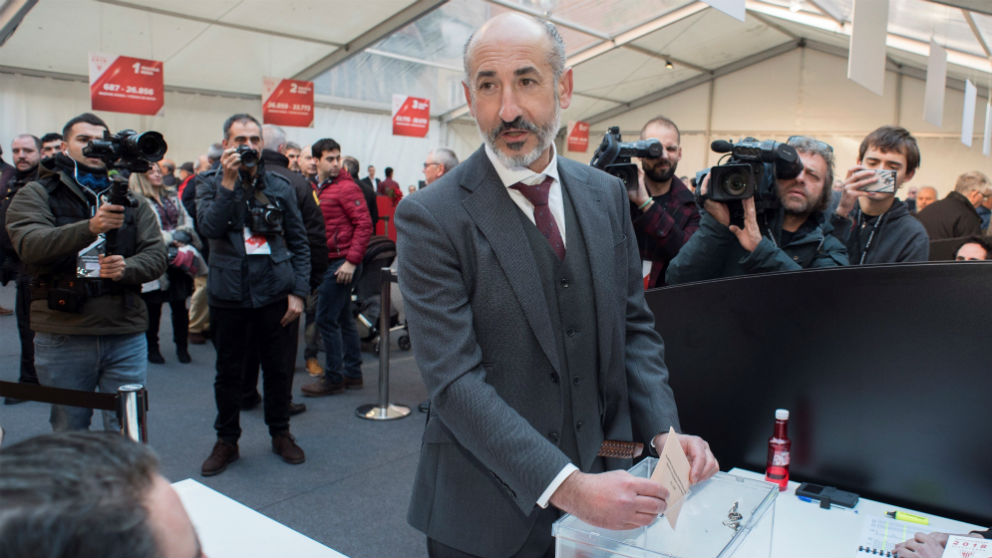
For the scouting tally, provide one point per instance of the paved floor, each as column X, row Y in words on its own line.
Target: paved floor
column 351, row 494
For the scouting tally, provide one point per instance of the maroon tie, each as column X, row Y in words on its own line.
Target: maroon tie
column 545, row 221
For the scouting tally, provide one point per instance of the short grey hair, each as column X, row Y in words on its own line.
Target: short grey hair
column 292, row 145
column 556, row 56
column 446, row 157
column 273, row 137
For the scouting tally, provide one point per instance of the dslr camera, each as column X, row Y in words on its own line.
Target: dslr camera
column 128, row 150
column 265, row 219
column 613, row 156
column 249, row 157
column 750, row 172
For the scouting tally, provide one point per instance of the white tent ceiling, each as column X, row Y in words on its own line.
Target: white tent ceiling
column 359, row 54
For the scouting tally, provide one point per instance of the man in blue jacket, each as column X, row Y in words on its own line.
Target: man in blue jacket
column 259, row 271
column 796, row 237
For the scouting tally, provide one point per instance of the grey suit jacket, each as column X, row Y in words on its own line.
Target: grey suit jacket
column 481, row 335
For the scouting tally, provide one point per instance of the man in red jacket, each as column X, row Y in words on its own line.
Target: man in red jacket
column 348, row 231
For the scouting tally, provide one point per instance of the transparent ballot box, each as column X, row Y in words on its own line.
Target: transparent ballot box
column 703, row 528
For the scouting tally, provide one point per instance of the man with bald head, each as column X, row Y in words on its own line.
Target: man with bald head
column 924, row 197
column 521, row 282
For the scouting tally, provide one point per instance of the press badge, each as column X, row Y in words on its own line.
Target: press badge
column 256, row 244
column 88, row 261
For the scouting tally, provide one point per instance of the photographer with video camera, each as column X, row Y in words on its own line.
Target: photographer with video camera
column 764, row 211
column 662, row 209
column 259, row 271
column 88, row 247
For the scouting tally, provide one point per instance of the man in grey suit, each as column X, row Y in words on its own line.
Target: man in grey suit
column 521, row 282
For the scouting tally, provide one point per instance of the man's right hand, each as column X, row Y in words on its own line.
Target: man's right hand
column 108, row 217
column 612, row 500
column 857, row 178
column 230, row 163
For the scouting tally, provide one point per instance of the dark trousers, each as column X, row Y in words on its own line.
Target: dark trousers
column 539, row 544
column 22, row 307
column 180, row 319
column 249, row 389
column 234, row 330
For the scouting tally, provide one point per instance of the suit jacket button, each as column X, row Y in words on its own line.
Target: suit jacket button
column 564, row 283
column 576, row 380
column 553, row 436
column 570, row 332
column 578, row 425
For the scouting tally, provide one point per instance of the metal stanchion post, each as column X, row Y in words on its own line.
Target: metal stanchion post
column 384, row 410
column 132, row 408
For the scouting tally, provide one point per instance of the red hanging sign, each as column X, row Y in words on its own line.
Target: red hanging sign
column 125, row 84
column 287, row 102
column 411, row 116
column 578, row 136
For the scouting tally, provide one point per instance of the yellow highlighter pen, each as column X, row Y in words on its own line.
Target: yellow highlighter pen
column 903, row 516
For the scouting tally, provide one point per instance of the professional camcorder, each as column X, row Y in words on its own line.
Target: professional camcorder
column 613, row 156
column 750, row 172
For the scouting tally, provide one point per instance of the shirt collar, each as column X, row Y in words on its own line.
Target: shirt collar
column 511, row 175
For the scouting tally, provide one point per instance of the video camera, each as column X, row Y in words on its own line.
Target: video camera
column 613, row 156
column 750, row 172
column 126, row 150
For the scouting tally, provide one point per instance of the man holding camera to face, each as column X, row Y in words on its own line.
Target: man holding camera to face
column 874, row 225
column 86, row 312
column 788, row 232
column 259, row 267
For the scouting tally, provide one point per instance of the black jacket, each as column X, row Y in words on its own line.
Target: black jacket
column 951, row 217
column 899, row 237
column 237, row 280
column 368, row 190
column 307, row 204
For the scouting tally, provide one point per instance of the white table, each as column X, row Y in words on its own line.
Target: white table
column 805, row 529
column 228, row 528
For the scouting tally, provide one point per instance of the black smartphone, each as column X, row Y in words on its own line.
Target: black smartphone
column 827, row 495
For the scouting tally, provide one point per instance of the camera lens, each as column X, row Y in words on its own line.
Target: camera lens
column 736, row 184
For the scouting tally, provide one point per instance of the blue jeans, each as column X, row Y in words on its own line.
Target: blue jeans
column 337, row 326
column 89, row 363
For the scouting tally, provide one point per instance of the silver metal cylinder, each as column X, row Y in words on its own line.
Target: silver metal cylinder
column 132, row 408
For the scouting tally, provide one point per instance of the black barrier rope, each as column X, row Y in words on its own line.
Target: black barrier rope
column 60, row 396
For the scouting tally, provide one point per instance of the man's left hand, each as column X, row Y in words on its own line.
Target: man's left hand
column 345, row 273
column 750, row 235
column 702, row 462
column 112, row 267
column 294, row 307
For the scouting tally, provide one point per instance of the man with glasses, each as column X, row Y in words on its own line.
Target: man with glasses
column 797, row 236
column 875, row 226
column 438, row 162
column 662, row 207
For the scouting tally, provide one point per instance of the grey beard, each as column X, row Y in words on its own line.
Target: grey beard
column 545, row 136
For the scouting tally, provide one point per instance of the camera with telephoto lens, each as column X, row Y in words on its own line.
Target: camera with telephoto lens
column 265, row 220
column 249, row 157
column 127, row 149
column 750, row 172
column 613, row 156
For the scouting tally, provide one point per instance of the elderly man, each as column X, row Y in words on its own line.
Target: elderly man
column 522, row 284
column 957, row 214
column 438, row 162
column 924, row 197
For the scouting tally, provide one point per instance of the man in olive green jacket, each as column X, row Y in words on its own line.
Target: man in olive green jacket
column 88, row 317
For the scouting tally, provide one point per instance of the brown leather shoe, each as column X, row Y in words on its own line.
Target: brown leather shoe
column 284, row 445
column 223, row 454
column 353, row 383
column 197, row 338
column 321, row 388
column 296, row 408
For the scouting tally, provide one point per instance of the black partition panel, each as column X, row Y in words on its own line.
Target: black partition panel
column 887, row 371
